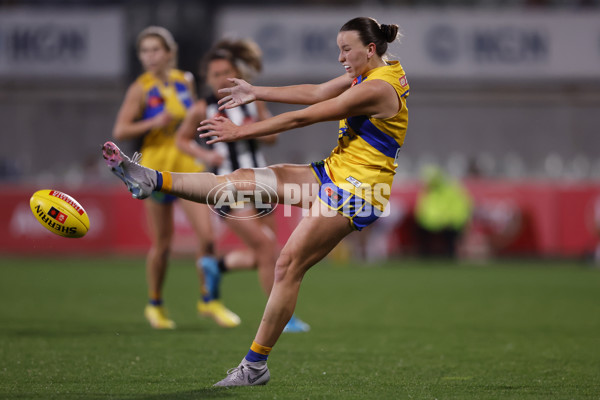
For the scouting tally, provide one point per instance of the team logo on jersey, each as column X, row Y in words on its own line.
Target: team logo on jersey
column 355, row 182
column 155, row 101
column 403, row 81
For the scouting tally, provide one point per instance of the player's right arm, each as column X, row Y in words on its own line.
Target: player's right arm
column 376, row 98
column 127, row 126
column 307, row 94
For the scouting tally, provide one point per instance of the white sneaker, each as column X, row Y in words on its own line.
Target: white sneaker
column 247, row 374
column 140, row 181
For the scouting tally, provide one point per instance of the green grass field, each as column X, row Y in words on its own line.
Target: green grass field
column 73, row 329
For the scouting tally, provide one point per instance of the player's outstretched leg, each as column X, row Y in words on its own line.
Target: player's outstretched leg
column 247, row 374
column 140, row 181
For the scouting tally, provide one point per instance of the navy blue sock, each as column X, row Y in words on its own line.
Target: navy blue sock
column 254, row 357
column 159, row 181
column 258, row 352
column 155, row 302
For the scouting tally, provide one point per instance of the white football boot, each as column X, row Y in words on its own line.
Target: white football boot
column 140, row 181
column 247, row 374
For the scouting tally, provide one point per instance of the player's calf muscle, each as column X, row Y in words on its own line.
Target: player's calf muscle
column 195, row 187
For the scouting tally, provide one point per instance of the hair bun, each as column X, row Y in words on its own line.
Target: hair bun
column 390, row 32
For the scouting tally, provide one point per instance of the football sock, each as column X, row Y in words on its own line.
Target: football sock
column 155, row 299
column 258, row 352
column 222, row 266
column 163, row 180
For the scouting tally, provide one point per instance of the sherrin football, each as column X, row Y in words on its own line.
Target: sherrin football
column 59, row 213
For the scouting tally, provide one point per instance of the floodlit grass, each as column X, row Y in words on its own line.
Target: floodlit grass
column 73, row 329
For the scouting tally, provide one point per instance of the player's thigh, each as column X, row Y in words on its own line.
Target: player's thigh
column 296, row 184
column 315, row 236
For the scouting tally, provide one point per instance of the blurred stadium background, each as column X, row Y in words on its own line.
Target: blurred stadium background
column 505, row 97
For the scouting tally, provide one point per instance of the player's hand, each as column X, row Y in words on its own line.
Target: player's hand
column 219, row 129
column 241, row 93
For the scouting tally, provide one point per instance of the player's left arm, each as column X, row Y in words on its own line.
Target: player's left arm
column 374, row 98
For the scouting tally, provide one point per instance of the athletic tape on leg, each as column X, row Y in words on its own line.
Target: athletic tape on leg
column 266, row 183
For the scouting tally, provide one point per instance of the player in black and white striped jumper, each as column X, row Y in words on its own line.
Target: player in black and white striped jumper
column 235, row 59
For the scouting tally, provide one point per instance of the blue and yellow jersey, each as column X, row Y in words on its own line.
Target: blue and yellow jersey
column 368, row 147
column 158, row 146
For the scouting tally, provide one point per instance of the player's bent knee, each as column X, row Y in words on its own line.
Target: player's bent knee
column 261, row 244
column 162, row 250
column 261, row 176
column 287, row 267
column 162, row 242
column 281, row 266
column 266, row 180
column 264, row 252
column 258, row 180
